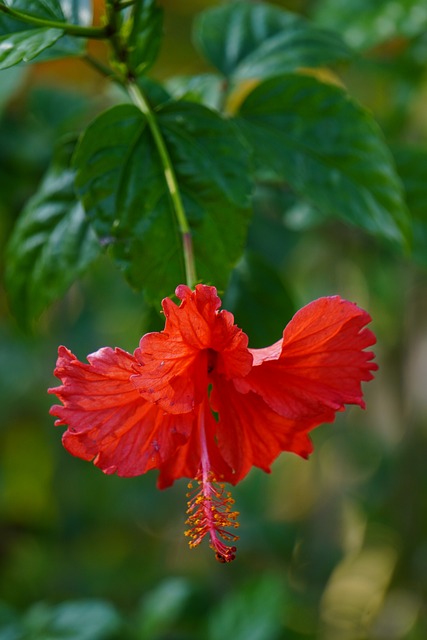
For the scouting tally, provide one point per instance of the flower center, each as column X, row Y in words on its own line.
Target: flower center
column 212, row 358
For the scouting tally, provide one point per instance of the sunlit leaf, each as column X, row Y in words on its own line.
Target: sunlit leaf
column 26, row 45
column 329, row 150
column 22, row 42
column 122, row 182
column 51, row 245
column 253, row 40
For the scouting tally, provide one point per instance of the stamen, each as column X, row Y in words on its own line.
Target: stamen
column 209, row 512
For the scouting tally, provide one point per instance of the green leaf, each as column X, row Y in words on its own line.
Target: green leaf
column 205, row 89
column 254, row 612
column 369, row 22
column 162, row 607
column 26, row 45
column 122, row 183
column 10, row 82
column 48, row 9
column 78, row 620
column 252, row 40
column 259, row 299
column 77, row 11
column 330, row 151
column 143, row 43
column 411, row 164
column 52, row 244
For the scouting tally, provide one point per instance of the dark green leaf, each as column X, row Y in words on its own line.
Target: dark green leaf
column 205, row 89
column 411, row 164
column 51, row 245
column 145, row 35
column 253, row 40
column 372, row 21
column 122, row 182
column 155, row 93
column 26, row 45
column 260, row 300
column 330, row 151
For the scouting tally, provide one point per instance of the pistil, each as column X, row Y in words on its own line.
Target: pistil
column 210, row 506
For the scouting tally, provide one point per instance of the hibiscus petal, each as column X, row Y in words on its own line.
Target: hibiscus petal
column 107, row 419
column 251, row 434
column 175, row 362
column 320, row 365
column 187, row 460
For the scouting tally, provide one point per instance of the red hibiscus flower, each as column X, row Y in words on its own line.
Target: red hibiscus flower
column 194, row 401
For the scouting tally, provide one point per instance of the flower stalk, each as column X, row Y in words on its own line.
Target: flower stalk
column 140, row 101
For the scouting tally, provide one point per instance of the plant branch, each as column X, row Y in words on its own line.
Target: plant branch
column 140, row 101
column 97, row 33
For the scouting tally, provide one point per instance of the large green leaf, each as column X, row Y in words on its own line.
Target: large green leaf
column 146, row 24
column 254, row 40
column 330, row 151
column 52, row 244
column 369, row 22
column 411, row 164
column 123, row 186
column 26, row 45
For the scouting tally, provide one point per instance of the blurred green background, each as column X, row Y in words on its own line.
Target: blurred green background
column 334, row 548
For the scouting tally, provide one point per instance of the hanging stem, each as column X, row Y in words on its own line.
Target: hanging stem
column 139, row 100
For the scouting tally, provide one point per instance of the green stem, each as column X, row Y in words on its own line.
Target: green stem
column 97, row 33
column 139, row 100
column 103, row 69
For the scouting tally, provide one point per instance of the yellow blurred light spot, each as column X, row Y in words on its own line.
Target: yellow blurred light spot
column 355, row 593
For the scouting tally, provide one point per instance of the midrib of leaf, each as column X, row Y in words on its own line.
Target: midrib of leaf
column 193, row 142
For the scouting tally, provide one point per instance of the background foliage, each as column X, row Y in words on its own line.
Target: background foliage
column 326, row 127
